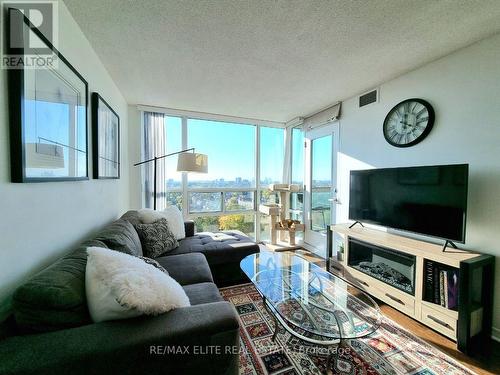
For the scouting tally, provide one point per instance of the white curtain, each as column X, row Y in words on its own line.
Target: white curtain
column 154, row 136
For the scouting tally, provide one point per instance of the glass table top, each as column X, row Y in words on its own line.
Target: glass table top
column 310, row 299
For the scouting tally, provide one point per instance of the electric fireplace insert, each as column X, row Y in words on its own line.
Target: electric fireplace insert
column 394, row 268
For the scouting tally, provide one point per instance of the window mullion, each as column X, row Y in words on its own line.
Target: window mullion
column 257, row 183
column 185, row 195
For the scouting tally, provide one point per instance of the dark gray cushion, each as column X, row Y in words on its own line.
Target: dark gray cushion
column 202, row 293
column 55, row 297
column 121, row 236
column 218, row 252
column 187, row 268
column 156, row 238
column 132, row 217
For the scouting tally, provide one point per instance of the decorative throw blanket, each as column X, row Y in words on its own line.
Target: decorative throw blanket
column 218, row 236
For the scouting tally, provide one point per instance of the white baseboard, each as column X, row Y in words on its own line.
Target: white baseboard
column 495, row 334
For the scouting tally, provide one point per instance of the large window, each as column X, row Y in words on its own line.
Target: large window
column 297, row 156
column 272, row 153
column 271, row 156
column 231, row 154
column 228, row 196
column 296, row 204
column 321, row 181
column 243, row 222
column 229, row 185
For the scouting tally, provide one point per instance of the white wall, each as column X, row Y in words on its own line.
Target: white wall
column 39, row 222
column 464, row 89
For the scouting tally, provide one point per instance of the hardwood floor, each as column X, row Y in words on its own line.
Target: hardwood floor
column 484, row 364
column 487, row 363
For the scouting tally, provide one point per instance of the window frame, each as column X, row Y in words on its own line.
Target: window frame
column 291, row 211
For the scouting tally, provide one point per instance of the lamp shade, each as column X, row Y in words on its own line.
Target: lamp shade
column 192, row 162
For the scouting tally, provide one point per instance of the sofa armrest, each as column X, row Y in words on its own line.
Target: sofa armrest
column 191, row 268
column 189, row 227
column 166, row 344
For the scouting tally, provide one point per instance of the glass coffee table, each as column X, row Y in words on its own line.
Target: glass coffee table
column 309, row 302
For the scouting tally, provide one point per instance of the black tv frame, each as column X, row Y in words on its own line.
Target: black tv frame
column 448, row 241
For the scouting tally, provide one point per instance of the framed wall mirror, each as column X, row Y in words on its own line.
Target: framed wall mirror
column 48, row 113
column 105, row 139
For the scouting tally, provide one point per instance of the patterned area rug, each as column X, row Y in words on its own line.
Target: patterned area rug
column 391, row 350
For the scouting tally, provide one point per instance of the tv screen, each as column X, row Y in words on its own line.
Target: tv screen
column 430, row 200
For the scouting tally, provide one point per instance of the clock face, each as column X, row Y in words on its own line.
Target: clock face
column 408, row 123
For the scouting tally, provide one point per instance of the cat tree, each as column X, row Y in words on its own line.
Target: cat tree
column 282, row 229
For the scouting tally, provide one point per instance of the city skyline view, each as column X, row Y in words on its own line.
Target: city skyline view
column 233, row 164
column 235, row 161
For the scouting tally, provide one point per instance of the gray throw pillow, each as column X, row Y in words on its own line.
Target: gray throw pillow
column 156, row 238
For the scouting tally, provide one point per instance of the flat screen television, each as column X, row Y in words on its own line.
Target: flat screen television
column 429, row 200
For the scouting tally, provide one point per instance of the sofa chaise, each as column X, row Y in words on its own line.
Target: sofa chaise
column 223, row 256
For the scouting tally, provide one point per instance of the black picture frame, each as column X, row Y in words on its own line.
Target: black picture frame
column 103, row 131
column 26, row 149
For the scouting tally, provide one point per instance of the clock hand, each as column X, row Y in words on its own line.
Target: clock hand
column 410, row 125
column 404, row 123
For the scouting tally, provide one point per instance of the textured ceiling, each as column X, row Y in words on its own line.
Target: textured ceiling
column 271, row 60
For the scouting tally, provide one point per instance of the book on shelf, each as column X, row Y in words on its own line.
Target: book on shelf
column 441, row 285
column 445, row 288
column 441, row 288
column 435, row 283
column 453, row 290
column 428, row 279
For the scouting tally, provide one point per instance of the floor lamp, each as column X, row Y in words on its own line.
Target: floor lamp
column 186, row 162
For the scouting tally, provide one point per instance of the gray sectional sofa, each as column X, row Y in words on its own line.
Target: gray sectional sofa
column 50, row 331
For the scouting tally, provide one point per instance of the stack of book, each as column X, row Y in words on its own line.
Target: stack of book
column 441, row 285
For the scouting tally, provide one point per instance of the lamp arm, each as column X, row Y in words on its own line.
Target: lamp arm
column 163, row 156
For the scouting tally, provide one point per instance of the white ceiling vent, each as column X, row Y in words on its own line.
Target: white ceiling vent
column 368, row 98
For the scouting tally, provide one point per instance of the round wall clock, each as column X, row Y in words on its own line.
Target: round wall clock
column 408, row 123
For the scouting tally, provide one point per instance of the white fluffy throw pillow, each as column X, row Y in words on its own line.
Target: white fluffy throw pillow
column 175, row 221
column 171, row 213
column 149, row 216
column 121, row 286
